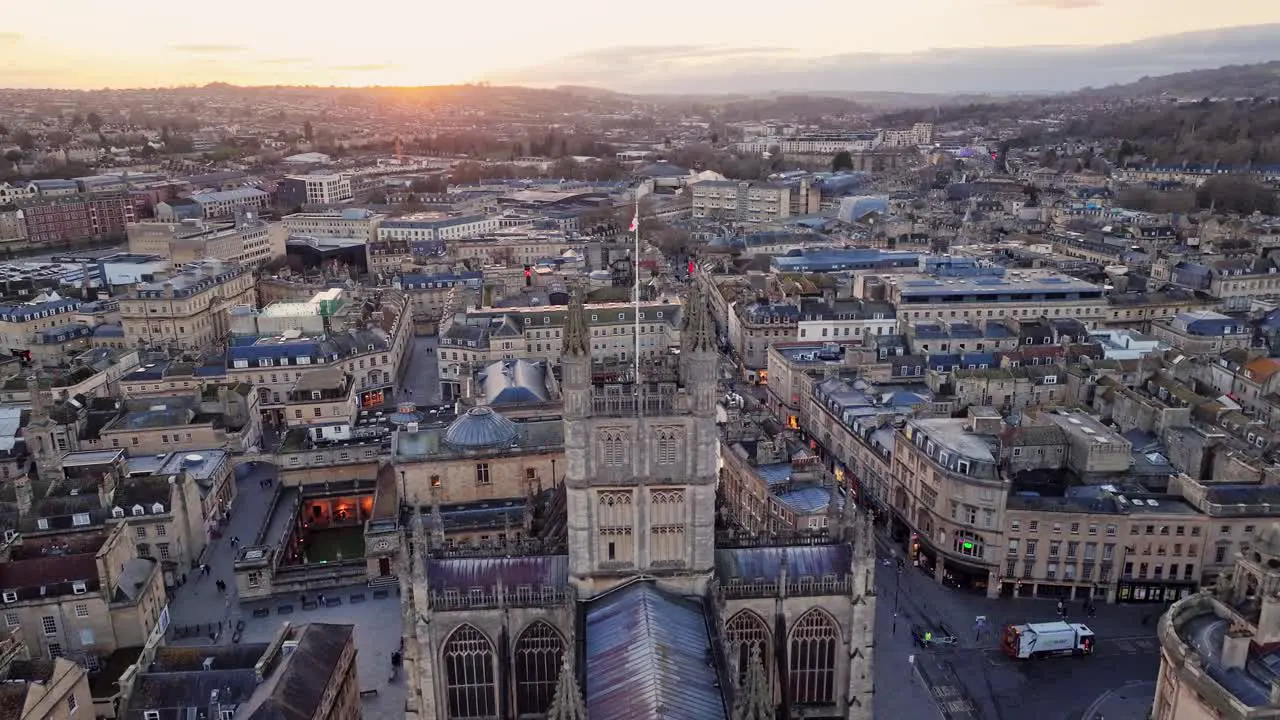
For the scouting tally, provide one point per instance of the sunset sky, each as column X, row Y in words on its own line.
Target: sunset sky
column 94, row 44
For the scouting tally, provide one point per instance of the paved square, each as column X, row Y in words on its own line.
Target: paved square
column 375, row 615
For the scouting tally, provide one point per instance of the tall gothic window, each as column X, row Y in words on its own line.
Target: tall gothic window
column 747, row 632
column 615, row 519
column 666, row 527
column 469, row 674
column 668, row 446
column 814, row 638
column 614, row 448
column 538, row 656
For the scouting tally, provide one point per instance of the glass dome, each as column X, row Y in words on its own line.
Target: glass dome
column 481, row 428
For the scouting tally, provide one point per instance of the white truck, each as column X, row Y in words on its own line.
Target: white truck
column 1037, row 640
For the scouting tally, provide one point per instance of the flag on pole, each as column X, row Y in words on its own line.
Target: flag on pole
column 635, row 223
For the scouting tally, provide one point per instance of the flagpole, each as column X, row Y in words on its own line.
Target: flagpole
column 635, row 223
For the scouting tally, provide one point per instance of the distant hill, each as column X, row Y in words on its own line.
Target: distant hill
column 1232, row 81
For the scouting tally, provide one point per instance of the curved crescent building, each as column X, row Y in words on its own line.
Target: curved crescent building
column 1220, row 648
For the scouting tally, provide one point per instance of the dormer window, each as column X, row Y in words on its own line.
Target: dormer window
column 117, row 512
column 137, row 510
column 10, row 596
column 80, row 519
column 157, row 508
column 42, row 524
column 78, row 588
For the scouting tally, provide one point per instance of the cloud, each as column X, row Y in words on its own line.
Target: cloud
column 1059, row 4
column 703, row 70
column 636, row 54
column 371, row 67
column 209, row 48
column 9, row 37
column 284, row 61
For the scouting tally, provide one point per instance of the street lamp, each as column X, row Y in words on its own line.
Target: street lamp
column 1124, row 559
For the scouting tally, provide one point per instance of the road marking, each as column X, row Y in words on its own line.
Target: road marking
column 945, row 691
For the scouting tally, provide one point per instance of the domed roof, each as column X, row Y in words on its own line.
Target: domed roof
column 406, row 412
column 480, row 428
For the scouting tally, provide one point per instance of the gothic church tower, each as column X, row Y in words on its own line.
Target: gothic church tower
column 642, row 456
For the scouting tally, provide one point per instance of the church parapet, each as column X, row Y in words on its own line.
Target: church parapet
column 802, row 586
column 522, row 596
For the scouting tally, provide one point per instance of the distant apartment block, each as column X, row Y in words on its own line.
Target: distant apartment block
column 743, row 202
column 355, row 223
column 992, row 296
column 316, row 189
column 78, row 217
column 249, row 241
column 226, row 203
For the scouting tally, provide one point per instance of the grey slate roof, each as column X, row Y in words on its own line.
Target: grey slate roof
column 765, row 563
column 462, row 574
column 646, row 657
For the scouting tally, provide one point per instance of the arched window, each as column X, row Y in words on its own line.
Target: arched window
column 614, row 446
column 745, row 633
column 666, row 526
column 615, row 520
column 668, row 446
column 813, row 659
column 469, row 674
column 539, row 654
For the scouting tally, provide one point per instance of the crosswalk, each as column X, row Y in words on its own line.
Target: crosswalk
column 950, row 700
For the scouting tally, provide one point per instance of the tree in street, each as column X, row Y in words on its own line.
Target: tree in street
column 843, row 160
column 307, row 131
column 23, row 139
column 94, row 121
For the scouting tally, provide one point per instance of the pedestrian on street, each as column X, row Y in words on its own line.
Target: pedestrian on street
column 1062, row 609
column 320, row 599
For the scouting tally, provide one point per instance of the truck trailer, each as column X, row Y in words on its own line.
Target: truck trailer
column 1037, row 640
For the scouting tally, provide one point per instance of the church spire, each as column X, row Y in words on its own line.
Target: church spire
column 567, row 703
column 577, row 338
column 699, row 335
column 755, row 698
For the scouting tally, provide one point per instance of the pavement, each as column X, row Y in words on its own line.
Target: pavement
column 376, row 616
column 974, row 679
column 1131, row 701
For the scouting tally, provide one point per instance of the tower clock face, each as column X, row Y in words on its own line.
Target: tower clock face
column 382, row 545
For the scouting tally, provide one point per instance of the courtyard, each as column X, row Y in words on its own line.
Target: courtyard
column 198, row 602
column 334, row 544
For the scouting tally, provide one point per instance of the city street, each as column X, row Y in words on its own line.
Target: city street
column 976, row 680
column 420, row 382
